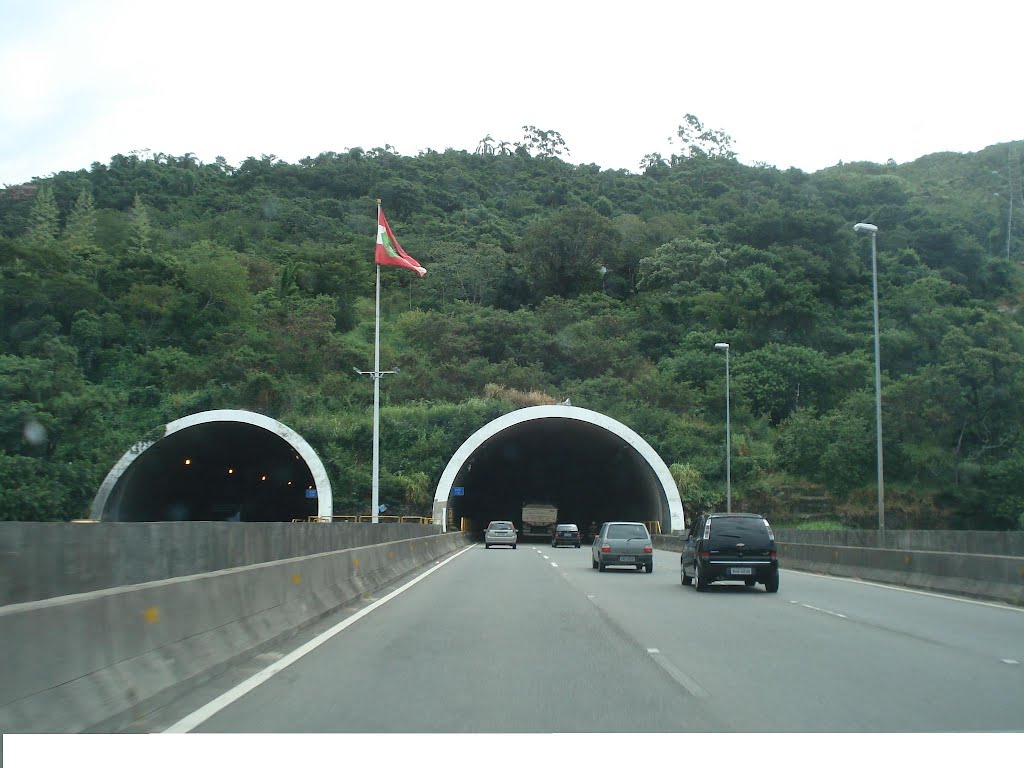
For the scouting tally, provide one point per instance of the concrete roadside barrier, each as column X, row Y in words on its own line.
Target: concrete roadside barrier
column 989, row 577
column 984, row 576
column 99, row 660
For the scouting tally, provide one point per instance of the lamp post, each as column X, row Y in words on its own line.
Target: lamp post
column 873, row 231
column 728, row 437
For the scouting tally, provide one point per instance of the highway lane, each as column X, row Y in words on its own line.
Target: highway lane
column 829, row 654
column 534, row 640
column 495, row 641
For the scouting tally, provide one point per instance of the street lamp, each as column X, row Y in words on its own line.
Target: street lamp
column 728, row 437
column 1009, row 213
column 873, row 230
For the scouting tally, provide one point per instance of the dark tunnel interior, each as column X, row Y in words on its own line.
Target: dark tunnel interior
column 215, row 471
column 589, row 473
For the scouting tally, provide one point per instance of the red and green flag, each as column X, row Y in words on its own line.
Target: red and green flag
column 389, row 252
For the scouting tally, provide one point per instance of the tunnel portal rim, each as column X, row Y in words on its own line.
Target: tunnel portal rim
column 443, row 492
column 322, row 483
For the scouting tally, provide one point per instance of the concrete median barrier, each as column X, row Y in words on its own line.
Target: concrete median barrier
column 99, row 660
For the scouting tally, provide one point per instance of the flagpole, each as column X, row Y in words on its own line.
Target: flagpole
column 377, row 373
column 375, row 496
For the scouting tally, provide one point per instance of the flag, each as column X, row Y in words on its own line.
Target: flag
column 389, row 252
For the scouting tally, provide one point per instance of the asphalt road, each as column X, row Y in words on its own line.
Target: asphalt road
column 533, row 640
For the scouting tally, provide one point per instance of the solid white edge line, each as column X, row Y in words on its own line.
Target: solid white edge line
column 227, row 698
column 905, row 589
column 683, row 679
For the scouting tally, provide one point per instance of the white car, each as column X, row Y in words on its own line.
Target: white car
column 500, row 533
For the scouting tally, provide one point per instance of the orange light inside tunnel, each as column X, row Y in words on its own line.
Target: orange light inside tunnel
column 231, row 470
column 263, row 477
column 188, row 462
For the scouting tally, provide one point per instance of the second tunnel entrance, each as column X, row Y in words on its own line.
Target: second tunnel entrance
column 592, row 467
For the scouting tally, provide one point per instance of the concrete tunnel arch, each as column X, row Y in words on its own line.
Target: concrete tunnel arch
column 670, row 507
column 138, row 465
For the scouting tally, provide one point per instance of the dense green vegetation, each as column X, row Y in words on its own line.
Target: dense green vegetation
column 152, row 287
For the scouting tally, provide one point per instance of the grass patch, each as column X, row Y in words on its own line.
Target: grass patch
column 821, row 525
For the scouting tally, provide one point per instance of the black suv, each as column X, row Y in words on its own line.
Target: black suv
column 730, row 547
column 566, row 533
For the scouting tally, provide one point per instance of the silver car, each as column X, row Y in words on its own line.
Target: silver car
column 500, row 532
column 625, row 544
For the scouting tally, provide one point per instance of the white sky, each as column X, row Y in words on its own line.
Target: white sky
column 803, row 84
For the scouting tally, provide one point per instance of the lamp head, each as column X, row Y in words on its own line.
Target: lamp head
column 722, row 345
column 862, row 227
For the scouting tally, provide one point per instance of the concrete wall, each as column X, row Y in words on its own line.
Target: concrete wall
column 1007, row 543
column 990, row 577
column 985, row 576
column 97, row 661
column 44, row 560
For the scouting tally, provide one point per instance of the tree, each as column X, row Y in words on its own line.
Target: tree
column 563, row 254
column 486, row 146
column 544, row 143
column 80, row 231
column 694, row 491
column 699, row 141
column 140, row 231
column 43, row 219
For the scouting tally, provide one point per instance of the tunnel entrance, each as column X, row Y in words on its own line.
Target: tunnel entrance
column 217, row 465
column 592, row 467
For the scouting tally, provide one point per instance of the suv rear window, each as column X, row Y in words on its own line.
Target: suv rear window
column 637, row 531
column 569, row 527
column 750, row 529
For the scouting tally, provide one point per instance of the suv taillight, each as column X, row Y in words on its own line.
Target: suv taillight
column 703, row 554
column 773, row 554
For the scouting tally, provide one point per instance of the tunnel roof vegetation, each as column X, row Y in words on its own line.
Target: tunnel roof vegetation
column 152, row 287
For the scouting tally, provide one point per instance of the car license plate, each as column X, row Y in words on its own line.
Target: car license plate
column 741, row 571
column 626, row 559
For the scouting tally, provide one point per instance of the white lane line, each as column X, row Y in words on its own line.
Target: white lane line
column 677, row 674
column 907, row 589
column 813, row 608
column 554, row 565
column 546, row 557
column 1009, row 661
column 227, row 698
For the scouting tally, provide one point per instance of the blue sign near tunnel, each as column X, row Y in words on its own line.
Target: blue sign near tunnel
column 458, row 491
column 311, row 493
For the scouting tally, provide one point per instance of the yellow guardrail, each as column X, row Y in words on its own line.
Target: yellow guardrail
column 653, row 527
column 365, row 519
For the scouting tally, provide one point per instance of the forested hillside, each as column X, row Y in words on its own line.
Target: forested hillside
column 152, row 287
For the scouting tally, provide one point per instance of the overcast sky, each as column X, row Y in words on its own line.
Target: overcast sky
column 804, row 84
